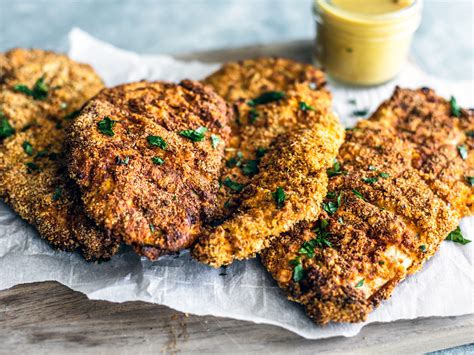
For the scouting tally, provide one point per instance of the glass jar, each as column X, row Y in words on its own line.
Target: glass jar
column 363, row 47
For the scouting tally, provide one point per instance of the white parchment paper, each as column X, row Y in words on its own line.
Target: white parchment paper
column 445, row 287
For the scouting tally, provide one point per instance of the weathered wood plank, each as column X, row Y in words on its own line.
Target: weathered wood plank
column 50, row 318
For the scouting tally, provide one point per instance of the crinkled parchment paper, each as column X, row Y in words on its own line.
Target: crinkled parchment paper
column 445, row 287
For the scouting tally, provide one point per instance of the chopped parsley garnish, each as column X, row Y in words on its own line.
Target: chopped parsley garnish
column 370, row 180
column 106, row 126
column 340, row 220
column 322, row 235
column 28, row 148
column 157, row 141
column 260, row 152
column 38, row 92
column 298, row 271
column 381, row 262
column 360, row 113
column 253, row 115
column 57, row 194
column 233, row 185
column 196, row 135
column 384, row 175
column 305, row 107
column 335, row 170
column 6, row 130
column 250, row 167
column 372, row 168
column 32, row 166
column 455, row 109
column 330, row 207
column 470, row 134
column 215, row 139
column 120, row 161
column 267, row 97
column 279, row 196
column 462, row 149
column 470, row 180
column 234, row 161
column 457, row 237
column 358, row 194
column 152, row 227
column 157, row 161
column 423, row 248
column 360, row 283
column 43, row 153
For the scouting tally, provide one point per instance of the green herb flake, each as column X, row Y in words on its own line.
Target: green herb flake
column 38, row 92
column 372, row 168
column 28, row 148
column 106, row 126
column 330, row 207
column 305, row 107
column 470, row 180
column 215, row 140
column 6, row 130
column 157, row 141
column 358, row 194
column 72, row 115
column 340, row 220
column 384, row 175
column 260, row 152
column 279, row 196
column 120, row 161
column 360, row 283
column 455, row 109
column 157, row 161
column 370, row 180
column 234, row 161
column 233, row 185
column 335, row 170
column 267, row 97
column 253, row 116
column 381, row 262
column 457, row 237
column 152, row 227
column 57, row 194
column 423, row 248
column 360, row 113
column 298, row 272
column 462, row 149
column 195, row 135
column 470, row 134
column 32, row 167
column 250, row 167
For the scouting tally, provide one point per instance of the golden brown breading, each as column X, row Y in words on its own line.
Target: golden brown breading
column 302, row 137
column 33, row 175
column 141, row 179
column 391, row 209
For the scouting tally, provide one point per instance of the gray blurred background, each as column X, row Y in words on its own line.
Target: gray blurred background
column 444, row 44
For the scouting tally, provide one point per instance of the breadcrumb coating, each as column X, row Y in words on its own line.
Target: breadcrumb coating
column 141, row 177
column 33, row 174
column 400, row 189
column 300, row 137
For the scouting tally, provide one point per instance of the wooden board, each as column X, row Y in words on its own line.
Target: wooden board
column 49, row 318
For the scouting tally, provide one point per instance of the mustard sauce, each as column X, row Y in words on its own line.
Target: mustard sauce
column 364, row 42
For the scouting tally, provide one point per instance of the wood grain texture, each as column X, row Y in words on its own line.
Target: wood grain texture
column 49, row 318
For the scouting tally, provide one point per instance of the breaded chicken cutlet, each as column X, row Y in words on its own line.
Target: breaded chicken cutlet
column 39, row 93
column 400, row 186
column 283, row 140
column 147, row 157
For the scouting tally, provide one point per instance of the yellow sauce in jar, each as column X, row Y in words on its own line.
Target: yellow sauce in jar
column 364, row 42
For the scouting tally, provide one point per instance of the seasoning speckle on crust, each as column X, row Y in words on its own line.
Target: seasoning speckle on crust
column 402, row 191
column 38, row 91
column 156, row 208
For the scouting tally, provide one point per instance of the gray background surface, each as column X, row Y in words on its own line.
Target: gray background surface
column 443, row 45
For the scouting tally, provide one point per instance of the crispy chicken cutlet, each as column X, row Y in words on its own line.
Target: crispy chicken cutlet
column 285, row 138
column 39, row 93
column 401, row 183
column 147, row 157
